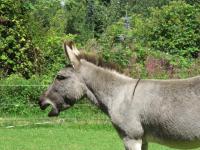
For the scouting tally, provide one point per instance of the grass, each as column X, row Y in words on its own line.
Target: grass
column 83, row 127
column 61, row 134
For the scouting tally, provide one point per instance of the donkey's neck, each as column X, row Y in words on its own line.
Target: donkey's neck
column 106, row 85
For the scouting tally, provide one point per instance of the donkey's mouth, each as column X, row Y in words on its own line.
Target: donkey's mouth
column 43, row 105
column 56, row 108
column 54, row 112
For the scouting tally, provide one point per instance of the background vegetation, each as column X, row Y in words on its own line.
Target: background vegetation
column 147, row 38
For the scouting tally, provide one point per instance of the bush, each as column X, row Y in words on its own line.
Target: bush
column 116, row 44
column 17, row 52
column 54, row 53
column 173, row 29
column 20, row 96
column 159, row 45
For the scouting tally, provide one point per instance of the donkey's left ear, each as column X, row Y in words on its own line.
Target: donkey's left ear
column 72, row 52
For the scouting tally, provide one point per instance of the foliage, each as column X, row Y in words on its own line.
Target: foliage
column 132, row 47
column 116, row 44
column 17, row 52
column 54, row 53
column 18, row 95
column 193, row 2
column 57, row 23
column 147, row 38
column 32, row 31
column 55, row 18
column 173, row 29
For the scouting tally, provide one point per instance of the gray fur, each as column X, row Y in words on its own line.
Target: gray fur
column 161, row 111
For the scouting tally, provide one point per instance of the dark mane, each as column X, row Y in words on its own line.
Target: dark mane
column 96, row 59
column 99, row 61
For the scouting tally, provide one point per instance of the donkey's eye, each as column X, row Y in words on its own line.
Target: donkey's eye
column 60, row 77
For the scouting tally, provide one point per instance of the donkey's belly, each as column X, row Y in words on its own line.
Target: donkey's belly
column 174, row 143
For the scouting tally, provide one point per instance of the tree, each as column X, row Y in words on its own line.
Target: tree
column 17, row 52
column 173, row 29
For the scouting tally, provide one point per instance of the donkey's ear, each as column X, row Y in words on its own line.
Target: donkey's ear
column 75, row 50
column 71, row 54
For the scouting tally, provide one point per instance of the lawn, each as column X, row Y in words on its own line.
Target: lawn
column 57, row 133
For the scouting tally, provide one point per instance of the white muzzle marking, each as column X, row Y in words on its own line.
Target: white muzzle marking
column 48, row 101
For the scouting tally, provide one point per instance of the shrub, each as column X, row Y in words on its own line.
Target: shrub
column 20, row 96
column 17, row 52
column 156, row 64
column 54, row 53
column 116, row 44
column 173, row 29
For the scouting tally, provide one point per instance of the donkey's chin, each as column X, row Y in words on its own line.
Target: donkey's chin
column 54, row 112
column 43, row 105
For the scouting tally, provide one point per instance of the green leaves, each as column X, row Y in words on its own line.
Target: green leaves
column 19, row 96
column 17, row 52
column 4, row 57
column 173, row 29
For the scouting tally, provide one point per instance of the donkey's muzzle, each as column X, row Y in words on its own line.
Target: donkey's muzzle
column 43, row 105
column 54, row 112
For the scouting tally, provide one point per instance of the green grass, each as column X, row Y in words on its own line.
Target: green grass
column 81, row 128
column 59, row 133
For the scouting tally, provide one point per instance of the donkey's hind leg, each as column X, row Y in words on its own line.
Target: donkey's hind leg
column 132, row 144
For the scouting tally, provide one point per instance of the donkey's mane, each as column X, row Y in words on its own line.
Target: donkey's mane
column 99, row 61
column 95, row 59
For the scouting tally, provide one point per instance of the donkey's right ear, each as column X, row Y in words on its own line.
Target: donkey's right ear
column 71, row 55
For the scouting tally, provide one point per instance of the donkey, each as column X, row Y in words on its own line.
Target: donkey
column 142, row 111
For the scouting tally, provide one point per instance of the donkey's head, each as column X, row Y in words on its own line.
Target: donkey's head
column 67, row 86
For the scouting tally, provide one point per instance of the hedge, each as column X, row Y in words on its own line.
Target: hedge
column 20, row 96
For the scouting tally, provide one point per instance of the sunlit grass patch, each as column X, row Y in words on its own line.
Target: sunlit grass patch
column 59, row 133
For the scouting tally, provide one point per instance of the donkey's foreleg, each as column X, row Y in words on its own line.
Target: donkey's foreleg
column 132, row 144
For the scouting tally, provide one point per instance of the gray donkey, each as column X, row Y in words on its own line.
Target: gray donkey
column 161, row 111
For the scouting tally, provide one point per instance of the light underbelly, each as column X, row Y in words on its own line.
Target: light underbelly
column 174, row 143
